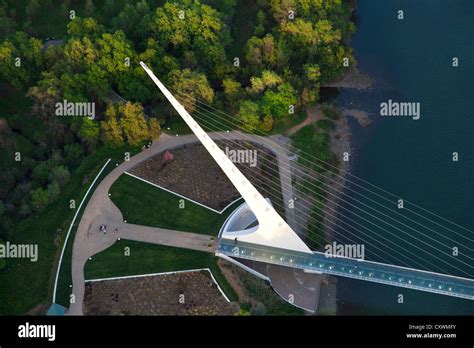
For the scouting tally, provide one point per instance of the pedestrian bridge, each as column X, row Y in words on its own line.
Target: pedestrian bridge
column 352, row 268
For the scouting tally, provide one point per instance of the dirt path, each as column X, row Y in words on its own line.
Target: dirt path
column 314, row 114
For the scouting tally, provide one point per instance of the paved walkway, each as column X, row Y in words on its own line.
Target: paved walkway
column 101, row 210
column 296, row 286
column 168, row 237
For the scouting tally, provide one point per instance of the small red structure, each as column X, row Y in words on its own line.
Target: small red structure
column 167, row 158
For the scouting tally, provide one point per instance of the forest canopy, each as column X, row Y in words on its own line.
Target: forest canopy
column 261, row 61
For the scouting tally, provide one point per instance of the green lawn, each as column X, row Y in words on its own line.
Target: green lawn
column 314, row 141
column 311, row 141
column 150, row 258
column 144, row 204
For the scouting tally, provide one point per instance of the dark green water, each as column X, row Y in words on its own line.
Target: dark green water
column 410, row 60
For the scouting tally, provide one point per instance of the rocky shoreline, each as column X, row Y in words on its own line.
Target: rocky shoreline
column 341, row 141
column 353, row 78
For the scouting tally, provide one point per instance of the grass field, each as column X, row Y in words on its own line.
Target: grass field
column 144, row 204
column 149, row 258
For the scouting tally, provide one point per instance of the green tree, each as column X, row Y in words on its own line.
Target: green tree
column 154, row 128
column 326, row 32
column 54, row 191
column 133, row 123
column 111, row 133
column 25, row 210
column 45, row 95
column 60, row 175
column 89, row 132
column 282, row 8
column 277, row 104
column 268, row 79
column 249, row 114
column 73, row 153
column 264, row 52
column 232, row 91
column 89, row 9
column 39, row 198
column 113, row 50
column 301, row 33
column 134, row 20
column 190, row 86
column 84, row 27
column 32, row 9
column 188, row 25
column 7, row 25
column 40, row 174
column 231, row 87
column 20, row 59
column 80, row 54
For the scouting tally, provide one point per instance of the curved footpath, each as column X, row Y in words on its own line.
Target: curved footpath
column 101, row 210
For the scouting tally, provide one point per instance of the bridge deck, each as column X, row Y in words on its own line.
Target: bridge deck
column 352, row 268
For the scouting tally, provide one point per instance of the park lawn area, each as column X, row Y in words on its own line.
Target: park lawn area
column 150, row 258
column 314, row 143
column 28, row 284
column 310, row 140
column 148, row 205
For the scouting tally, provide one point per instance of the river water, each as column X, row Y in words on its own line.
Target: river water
column 411, row 61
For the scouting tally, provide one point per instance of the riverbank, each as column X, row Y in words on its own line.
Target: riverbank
column 353, row 78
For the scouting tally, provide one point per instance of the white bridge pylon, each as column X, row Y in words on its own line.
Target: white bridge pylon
column 272, row 229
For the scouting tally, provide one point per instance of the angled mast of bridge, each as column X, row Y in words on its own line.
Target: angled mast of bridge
column 272, row 229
